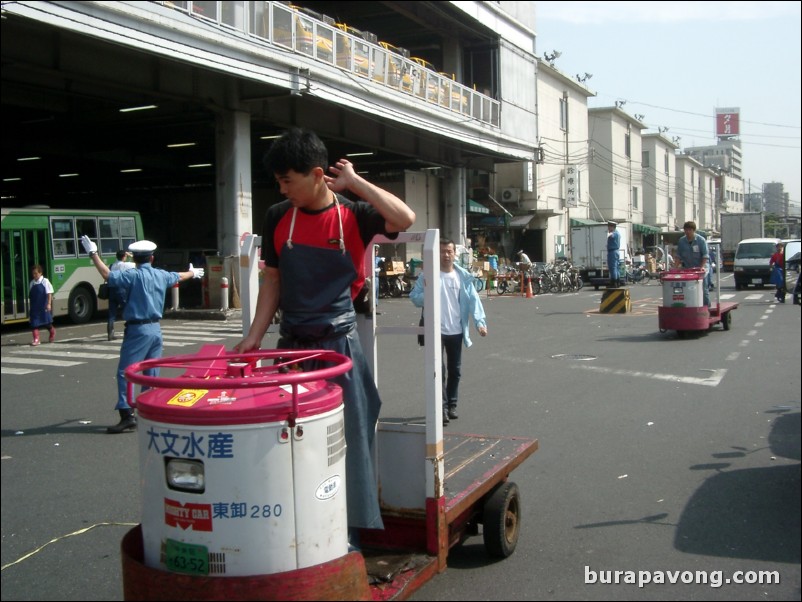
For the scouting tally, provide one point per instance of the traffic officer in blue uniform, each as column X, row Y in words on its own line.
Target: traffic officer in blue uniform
column 613, row 245
column 143, row 290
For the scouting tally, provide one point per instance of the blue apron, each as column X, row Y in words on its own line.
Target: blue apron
column 39, row 316
column 317, row 313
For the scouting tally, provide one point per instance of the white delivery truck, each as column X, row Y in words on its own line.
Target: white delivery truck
column 736, row 227
column 589, row 250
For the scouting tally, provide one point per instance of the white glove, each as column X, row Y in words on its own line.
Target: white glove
column 196, row 272
column 88, row 245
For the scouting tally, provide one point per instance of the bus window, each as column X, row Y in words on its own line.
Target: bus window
column 128, row 232
column 116, row 233
column 63, row 237
column 86, row 226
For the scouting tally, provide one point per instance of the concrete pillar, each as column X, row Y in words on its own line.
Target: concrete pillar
column 454, row 225
column 234, row 187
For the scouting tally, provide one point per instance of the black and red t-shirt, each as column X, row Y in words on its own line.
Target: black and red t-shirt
column 361, row 222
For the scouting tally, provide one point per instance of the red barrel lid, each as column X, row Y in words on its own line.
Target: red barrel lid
column 217, row 387
column 227, row 407
column 683, row 274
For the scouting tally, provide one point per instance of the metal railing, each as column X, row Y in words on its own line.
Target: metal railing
column 346, row 48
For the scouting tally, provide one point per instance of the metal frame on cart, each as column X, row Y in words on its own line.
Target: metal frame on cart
column 434, row 488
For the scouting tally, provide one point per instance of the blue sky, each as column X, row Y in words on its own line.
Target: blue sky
column 676, row 62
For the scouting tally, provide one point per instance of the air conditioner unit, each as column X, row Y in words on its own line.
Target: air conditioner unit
column 510, row 195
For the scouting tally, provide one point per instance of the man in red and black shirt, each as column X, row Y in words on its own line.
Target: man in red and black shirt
column 313, row 246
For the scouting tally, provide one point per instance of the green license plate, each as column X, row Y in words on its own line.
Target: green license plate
column 186, row 558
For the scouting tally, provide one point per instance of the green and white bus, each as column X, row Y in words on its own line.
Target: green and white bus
column 51, row 238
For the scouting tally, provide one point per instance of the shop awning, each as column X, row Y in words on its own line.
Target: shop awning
column 503, row 221
column 646, row 229
column 520, row 221
column 474, row 207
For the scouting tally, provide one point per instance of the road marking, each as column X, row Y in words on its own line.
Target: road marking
column 110, row 346
column 755, row 297
column 733, row 356
column 39, row 361
column 88, row 356
column 174, row 337
column 18, row 371
column 202, row 333
column 713, row 380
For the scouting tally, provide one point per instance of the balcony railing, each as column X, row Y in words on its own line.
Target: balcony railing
column 346, row 48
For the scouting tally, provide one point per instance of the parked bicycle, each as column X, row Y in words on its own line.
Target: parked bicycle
column 507, row 280
column 389, row 284
column 478, row 282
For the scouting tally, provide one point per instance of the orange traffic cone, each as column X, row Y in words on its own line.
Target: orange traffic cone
column 529, row 294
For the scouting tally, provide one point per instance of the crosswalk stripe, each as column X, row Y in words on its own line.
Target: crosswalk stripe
column 110, row 346
column 214, row 331
column 89, row 356
column 179, row 330
column 172, row 337
column 18, row 371
column 39, row 361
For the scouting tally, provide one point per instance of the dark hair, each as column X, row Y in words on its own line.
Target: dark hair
column 448, row 241
column 691, row 225
column 297, row 150
column 120, row 255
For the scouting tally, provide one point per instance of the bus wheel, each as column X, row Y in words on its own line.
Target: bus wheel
column 81, row 305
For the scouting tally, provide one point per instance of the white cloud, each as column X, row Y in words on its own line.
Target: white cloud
column 600, row 12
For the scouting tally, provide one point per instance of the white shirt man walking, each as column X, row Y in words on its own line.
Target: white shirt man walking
column 459, row 301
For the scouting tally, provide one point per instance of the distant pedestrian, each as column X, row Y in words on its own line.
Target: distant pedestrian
column 459, row 302
column 116, row 299
column 777, row 263
column 40, row 293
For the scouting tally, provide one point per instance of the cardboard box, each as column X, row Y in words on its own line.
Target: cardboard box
column 393, row 268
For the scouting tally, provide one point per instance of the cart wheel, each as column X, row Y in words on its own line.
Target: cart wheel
column 726, row 320
column 502, row 520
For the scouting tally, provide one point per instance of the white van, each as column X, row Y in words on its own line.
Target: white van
column 751, row 265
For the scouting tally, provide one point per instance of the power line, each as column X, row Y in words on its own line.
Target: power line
column 646, row 104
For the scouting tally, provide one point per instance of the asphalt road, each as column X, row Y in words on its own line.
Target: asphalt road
column 660, row 457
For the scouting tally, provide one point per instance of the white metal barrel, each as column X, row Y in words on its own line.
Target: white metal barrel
column 683, row 288
column 235, row 483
